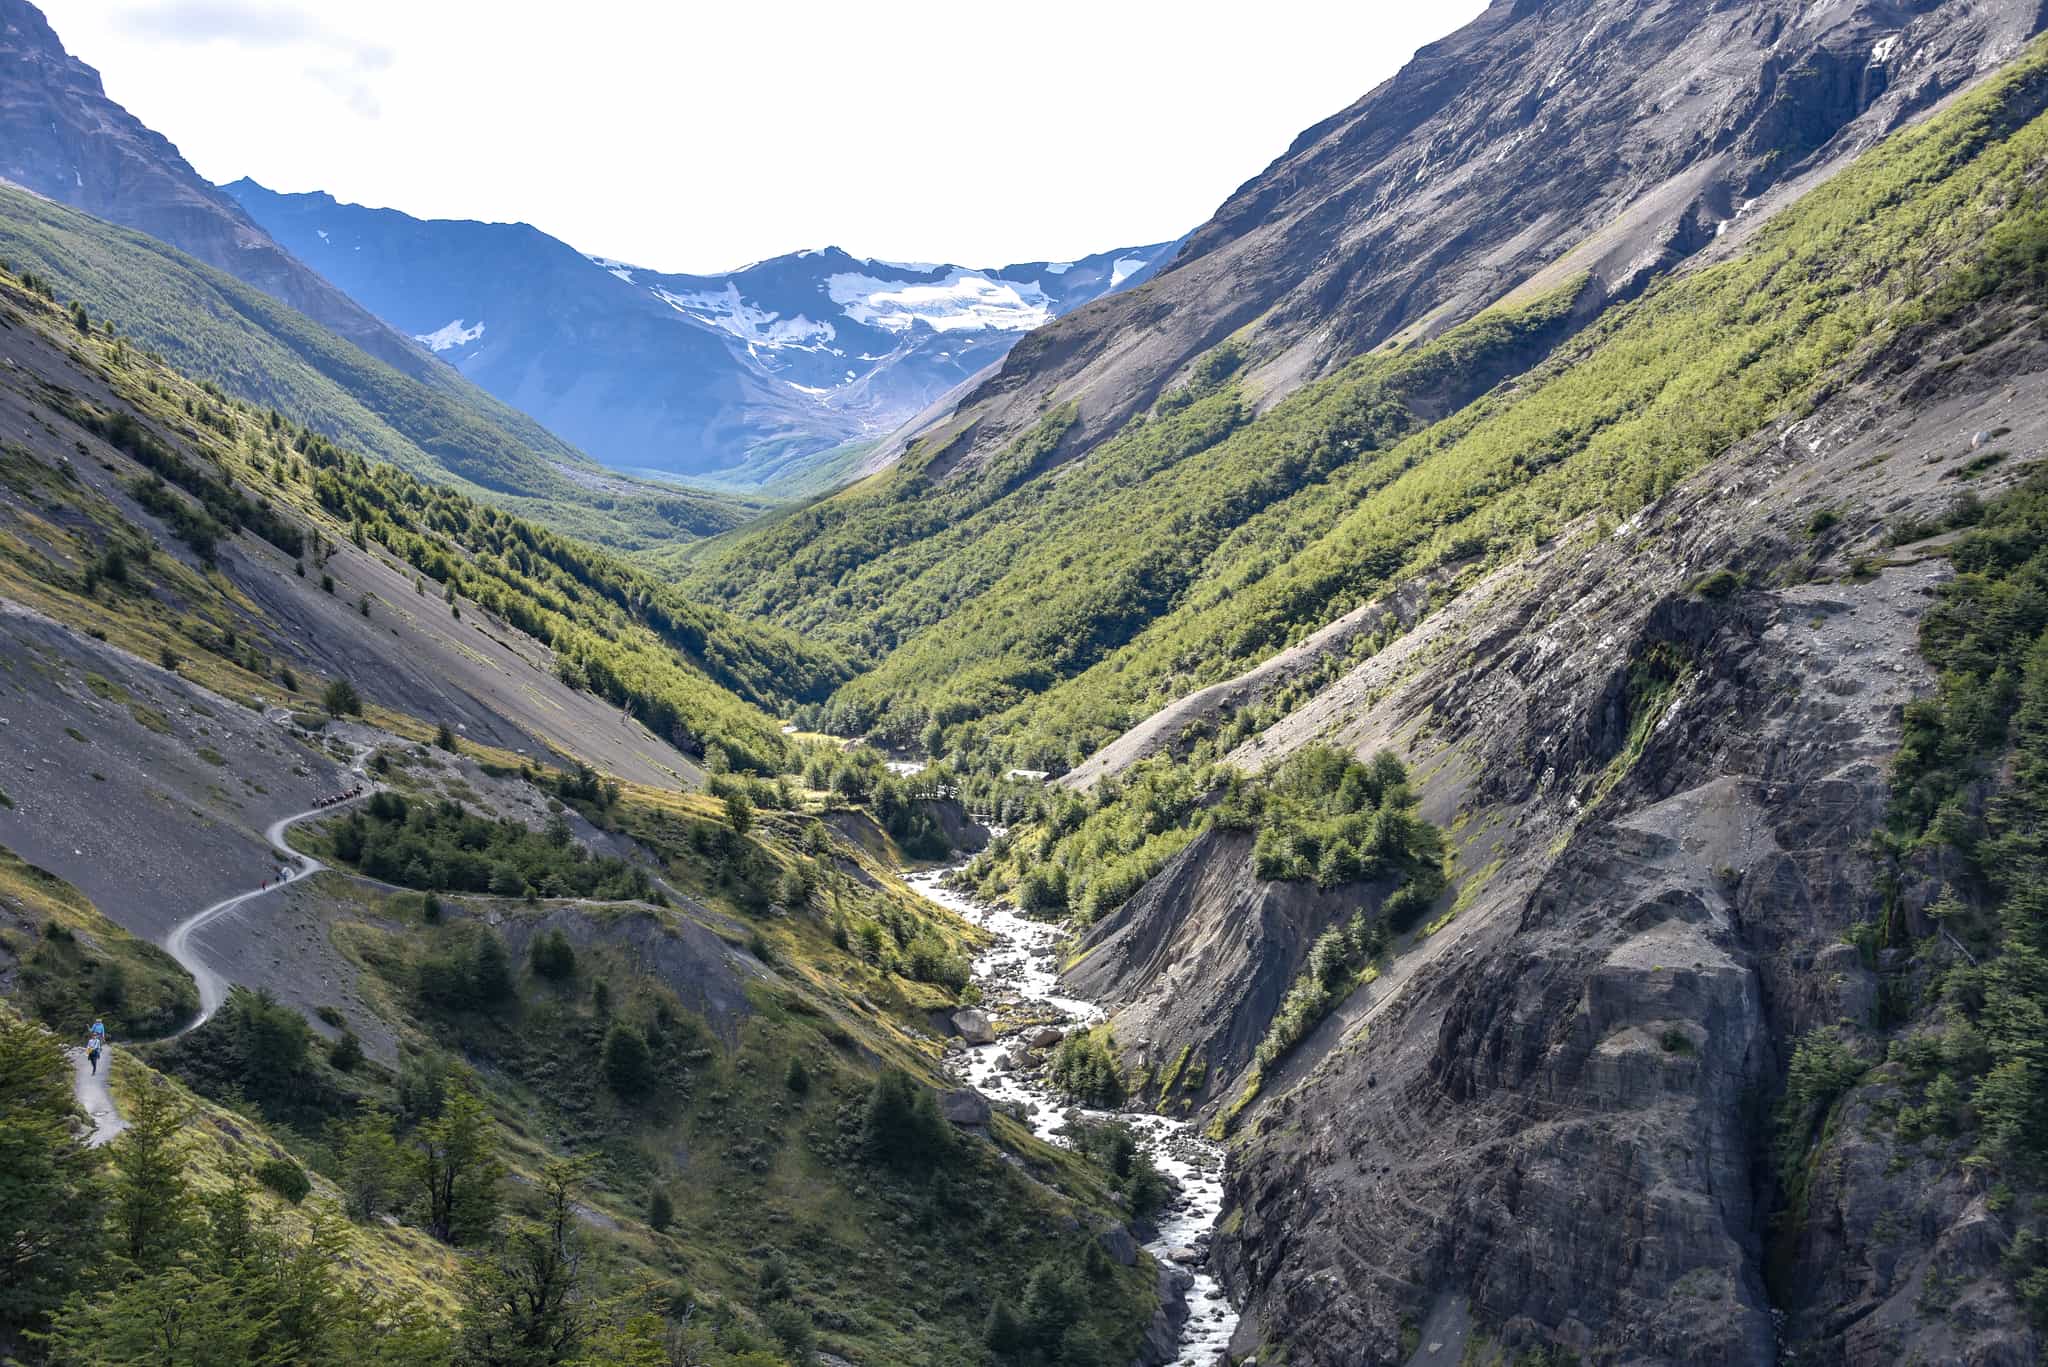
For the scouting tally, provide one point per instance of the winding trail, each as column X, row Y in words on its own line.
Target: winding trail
column 93, row 1097
column 1020, row 968
column 91, row 1089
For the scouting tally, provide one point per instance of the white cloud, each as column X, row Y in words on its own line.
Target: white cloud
column 696, row 137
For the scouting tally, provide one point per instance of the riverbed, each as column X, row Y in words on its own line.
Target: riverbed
column 1018, row 976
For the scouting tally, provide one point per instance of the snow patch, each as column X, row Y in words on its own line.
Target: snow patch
column 1882, row 53
column 965, row 301
column 1058, row 267
column 729, row 313
column 449, row 336
column 1125, row 268
column 610, row 267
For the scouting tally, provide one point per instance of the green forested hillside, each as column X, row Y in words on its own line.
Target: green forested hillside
column 217, row 328
column 1035, row 609
column 213, row 465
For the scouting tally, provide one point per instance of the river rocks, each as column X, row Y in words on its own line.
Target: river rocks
column 1186, row 1256
column 973, row 1025
column 1046, row 1036
column 966, row 1107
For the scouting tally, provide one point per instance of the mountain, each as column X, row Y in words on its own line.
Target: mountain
column 1616, row 434
column 1547, row 138
column 61, row 137
column 747, row 378
column 365, row 818
column 259, row 322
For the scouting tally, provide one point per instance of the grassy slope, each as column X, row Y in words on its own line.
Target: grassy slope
column 1057, row 606
column 702, row 669
column 216, row 327
column 69, row 964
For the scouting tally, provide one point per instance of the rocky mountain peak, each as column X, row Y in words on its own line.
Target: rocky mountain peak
column 1602, row 137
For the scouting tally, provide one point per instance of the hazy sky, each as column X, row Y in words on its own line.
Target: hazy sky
column 698, row 137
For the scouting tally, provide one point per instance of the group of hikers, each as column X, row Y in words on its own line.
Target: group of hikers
column 94, row 1044
column 280, row 874
column 333, row 798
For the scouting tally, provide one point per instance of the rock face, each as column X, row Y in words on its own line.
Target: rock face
column 1554, row 1107
column 1204, row 953
column 1621, row 134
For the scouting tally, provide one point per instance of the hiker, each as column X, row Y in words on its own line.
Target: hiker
column 99, row 1030
column 92, row 1052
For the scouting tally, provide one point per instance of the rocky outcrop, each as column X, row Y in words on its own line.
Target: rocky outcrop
column 1162, row 1336
column 1200, row 959
column 966, row 1107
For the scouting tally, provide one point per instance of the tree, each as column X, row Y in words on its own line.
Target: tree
column 1003, row 1335
column 739, row 813
column 552, row 956
column 444, row 736
column 628, row 1068
column 797, row 1078
column 272, row 1040
column 456, row 1168
column 341, row 699
column 902, row 1127
column 527, row 1306
column 152, row 1205
column 490, row 970
column 345, row 1055
column 51, row 1206
column 661, row 1210
column 372, row 1166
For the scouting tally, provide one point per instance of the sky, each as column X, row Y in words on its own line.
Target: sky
column 700, row 137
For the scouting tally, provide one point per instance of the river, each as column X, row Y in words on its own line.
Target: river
column 1020, row 967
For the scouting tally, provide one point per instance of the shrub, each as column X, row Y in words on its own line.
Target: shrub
column 1085, row 1069
column 628, row 1067
column 340, row 699
column 284, row 1177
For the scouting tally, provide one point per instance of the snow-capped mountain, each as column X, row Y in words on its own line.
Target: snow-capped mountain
column 748, row 378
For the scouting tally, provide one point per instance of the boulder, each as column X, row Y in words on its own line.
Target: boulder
column 965, row 1106
column 973, row 1025
column 1185, row 1256
column 1046, row 1036
column 1118, row 1242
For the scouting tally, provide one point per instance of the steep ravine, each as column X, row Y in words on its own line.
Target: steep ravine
column 1018, row 976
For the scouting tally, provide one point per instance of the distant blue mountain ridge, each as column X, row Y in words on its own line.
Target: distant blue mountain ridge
column 777, row 375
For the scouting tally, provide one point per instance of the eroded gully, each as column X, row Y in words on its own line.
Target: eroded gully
column 1018, row 978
